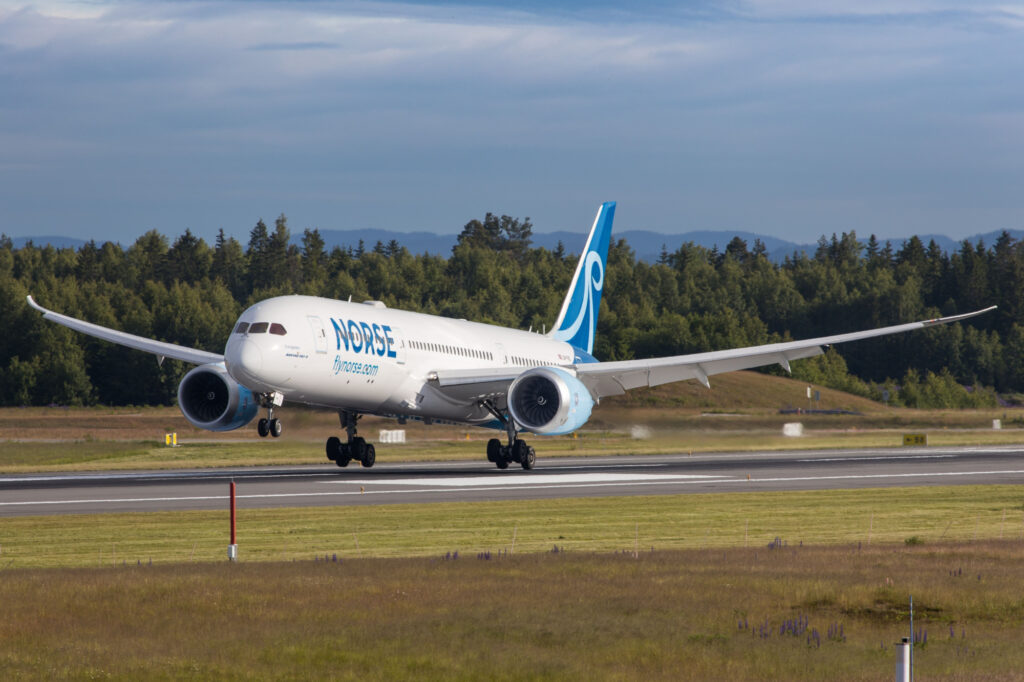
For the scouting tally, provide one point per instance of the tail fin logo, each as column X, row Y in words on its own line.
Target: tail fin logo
column 585, row 317
column 577, row 320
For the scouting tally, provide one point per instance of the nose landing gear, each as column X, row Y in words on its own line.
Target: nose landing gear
column 269, row 426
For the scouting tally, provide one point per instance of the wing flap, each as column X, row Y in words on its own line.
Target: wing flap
column 159, row 348
column 489, row 383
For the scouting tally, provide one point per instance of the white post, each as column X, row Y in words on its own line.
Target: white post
column 903, row 661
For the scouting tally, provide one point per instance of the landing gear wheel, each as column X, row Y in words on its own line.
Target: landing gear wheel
column 357, row 448
column 493, row 450
column 502, row 463
column 263, row 427
column 529, row 459
column 519, row 450
column 333, row 448
column 275, row 428
column 343, row 458
column 369, row 457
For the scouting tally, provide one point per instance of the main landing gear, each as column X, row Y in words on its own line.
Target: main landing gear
column 516, row 451
column 356, row 448
column 269, row 425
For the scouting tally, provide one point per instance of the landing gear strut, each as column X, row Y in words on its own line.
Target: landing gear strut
column 269, row 425
column 355, row 448
column 516, row 451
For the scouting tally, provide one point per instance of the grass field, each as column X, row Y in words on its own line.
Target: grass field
column 726, row 520
column 790, row 612
column 806, row 585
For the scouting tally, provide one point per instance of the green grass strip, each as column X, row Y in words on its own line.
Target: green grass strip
column 920, row 515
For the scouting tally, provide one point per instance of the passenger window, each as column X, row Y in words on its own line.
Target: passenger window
column 259, row 328
column 242, row 328
column 278, row 329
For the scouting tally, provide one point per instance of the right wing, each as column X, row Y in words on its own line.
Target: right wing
column 159, row 348
column 615, row 378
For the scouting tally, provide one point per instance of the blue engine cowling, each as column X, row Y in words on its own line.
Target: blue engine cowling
column 549, row 401
column 210, row 399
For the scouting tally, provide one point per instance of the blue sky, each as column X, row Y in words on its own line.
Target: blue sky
column 791, row 118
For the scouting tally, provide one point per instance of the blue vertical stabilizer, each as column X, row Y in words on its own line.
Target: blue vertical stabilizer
column 577, row 322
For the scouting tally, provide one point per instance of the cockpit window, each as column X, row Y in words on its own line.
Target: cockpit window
column 242, row 328
column 278, row 329
column 259, row 328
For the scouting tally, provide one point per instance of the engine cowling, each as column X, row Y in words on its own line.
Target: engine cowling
column 549, row 401
column 210, row 399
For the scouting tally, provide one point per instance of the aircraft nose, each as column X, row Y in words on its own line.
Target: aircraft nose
column 249, row 358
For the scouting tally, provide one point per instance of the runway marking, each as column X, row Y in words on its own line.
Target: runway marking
column 491, row 484
column 886, row 458
column 534, row 480
column 929, row 474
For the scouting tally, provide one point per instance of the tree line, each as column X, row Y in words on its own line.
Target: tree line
column 693, row 299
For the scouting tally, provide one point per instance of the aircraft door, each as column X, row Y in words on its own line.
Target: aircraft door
column 399, row 345
column 319, row 335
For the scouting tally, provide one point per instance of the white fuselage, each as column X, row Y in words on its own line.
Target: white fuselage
column 368, row 358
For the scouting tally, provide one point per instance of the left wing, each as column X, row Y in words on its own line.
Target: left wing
column 614, row 378
column 159, row 348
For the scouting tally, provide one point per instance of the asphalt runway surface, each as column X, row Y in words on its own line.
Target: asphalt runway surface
column 328, row 485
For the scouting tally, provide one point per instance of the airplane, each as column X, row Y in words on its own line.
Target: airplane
column 366, row 358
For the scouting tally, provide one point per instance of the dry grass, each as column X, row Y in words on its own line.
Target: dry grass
column 680, row 615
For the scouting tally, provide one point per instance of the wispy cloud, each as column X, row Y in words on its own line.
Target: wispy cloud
column 755, row 115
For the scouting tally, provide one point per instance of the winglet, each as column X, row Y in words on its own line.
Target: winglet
column 32, row 302
column 957, row 318
column 577, row 321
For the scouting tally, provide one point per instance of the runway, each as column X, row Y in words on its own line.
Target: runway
column 327, row 485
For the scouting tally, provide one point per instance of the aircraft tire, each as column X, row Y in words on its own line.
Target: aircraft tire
column 519, row 450
column 263, row 427
column 502, row 463
column 333, row 448
column 357, row 448
column 275, row 428
column 493, row 450
column 529, row 459
column 369, row 457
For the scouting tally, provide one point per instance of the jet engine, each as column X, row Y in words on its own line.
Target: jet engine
column 210, row 399
column 549, row 401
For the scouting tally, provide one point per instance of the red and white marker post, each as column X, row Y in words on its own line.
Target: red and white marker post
column 233, row 547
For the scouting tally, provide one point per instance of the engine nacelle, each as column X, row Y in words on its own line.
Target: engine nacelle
column 549, row 401
column 210, row 399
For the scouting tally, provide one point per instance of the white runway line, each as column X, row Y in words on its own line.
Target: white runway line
column 533, row 480
column 888, row 458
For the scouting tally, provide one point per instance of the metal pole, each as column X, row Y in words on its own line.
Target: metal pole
column 903, row 661
column 233, row 547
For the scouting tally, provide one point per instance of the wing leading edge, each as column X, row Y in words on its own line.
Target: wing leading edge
column 614, row 378
column 159, row 348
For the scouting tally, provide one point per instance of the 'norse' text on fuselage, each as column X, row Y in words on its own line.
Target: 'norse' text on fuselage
column 362, row 337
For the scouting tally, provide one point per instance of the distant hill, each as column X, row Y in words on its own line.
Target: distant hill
column 647, row 245
column 54, row 241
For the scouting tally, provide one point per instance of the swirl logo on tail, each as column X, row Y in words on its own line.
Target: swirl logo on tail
column 577, row 321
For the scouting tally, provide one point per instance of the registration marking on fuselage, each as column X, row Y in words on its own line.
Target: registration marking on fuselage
column 500, row 479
